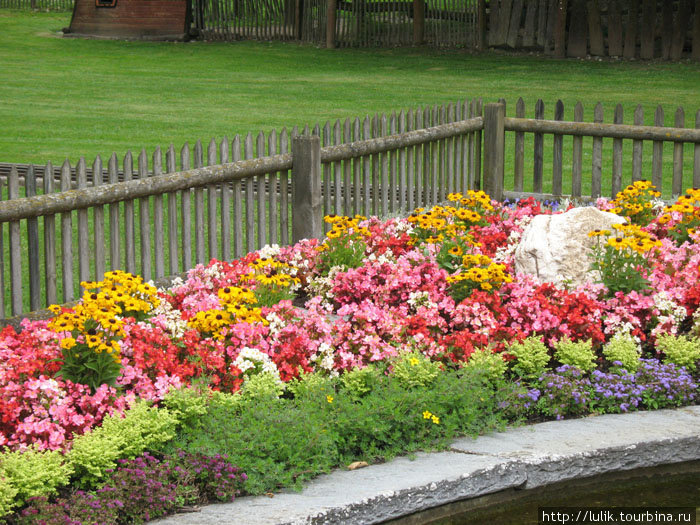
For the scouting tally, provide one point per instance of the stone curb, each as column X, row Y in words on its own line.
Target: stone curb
column 523, row 457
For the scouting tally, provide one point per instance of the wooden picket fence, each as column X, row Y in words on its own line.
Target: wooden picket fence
column 276, row 187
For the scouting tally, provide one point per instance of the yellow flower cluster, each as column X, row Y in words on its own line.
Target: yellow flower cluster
column 488, row 277
column 628, row 237
column 343, row 225
column 268, row 271
column 635, row 201
column 432, row 417
column 689, row 206
column 473, row 199
column 96, row 322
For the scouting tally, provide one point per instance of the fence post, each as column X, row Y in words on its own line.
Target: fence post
column 331, row 23
column 494, row 149
column 307, row 220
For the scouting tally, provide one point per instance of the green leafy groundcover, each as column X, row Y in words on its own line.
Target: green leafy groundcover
column 220, row 386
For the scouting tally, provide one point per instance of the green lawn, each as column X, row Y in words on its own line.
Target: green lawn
column 66, row 97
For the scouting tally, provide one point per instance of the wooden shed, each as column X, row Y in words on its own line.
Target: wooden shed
column 131, row 19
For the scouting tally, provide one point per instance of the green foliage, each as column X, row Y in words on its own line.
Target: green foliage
column 262, row 386
column 346, row 251
column 623, row 348
column 532, row 357
column 359, row 382
column 680, row 350
column 29, row 473
column 85, row 366
column 281, row 442
column 618, row 269
column 413, row 370
column 142, row 428
column 188, row 404
column 271, row 294
column 490, row 363
column 311, row 384
column 8, row 493
column 579, row 354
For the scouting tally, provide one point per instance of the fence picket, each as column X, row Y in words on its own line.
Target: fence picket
column 158, row 219
column 284, row 191
column 249, row 201
column 15, row 247
column 272, row 195
column 67, row 238
column 237, row 201
column 2, row 261
column 539, row 150
column 199, row 233
column 558, row 152
column 98, row 221
column 393, row 168
column 171, row 167
column 186, row 211
column 385, row 169
column 327, row 140
column 83, row 239
column 617, row 155
column 577, row 160
column 597, row 156
column 212, row 203
column 366, row 169
column 260, row 180
column 696, row 163
column 419, row 197
column 145, row 221
column 677, row 184
column 49, row 244
column 657, row 152
column 449, row 153
column 356, row 167
column 376, row 177
column 114, row 248
column 519, row 160
column 347, row 171
column 637, row 146
column 33, row 244
column 477, row 146
column 402, row 164
column 337, row 170
column 129, row 219
column 436, row 158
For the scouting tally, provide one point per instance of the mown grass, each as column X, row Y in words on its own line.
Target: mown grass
column 66, row 97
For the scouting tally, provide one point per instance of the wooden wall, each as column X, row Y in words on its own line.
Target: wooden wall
column 631, row 29
column 142, row 19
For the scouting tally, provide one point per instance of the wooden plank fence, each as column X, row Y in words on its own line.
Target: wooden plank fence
column 159, row 219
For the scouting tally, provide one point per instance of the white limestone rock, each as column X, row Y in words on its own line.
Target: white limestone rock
column 556, row 248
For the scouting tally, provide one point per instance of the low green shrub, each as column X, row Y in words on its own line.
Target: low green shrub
column 532, row 357
column 623, row 348
column 579, row 354
column 488, row 362
column 262, row 386
column 680, row 350
column 30, row 473
column 359, row 382
column 414, row 370
column 141, row 428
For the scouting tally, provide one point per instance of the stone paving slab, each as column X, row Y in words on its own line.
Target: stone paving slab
column 524, row 457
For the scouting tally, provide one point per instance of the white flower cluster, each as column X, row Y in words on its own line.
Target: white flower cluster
column 403, row 227
column 172, row 320
column 276, row 323
column 671, row 312
column 269, row 250
column 506, row 253
column 385, row 258
column 324, row 359
column 321, row 286
column 696, row 323
column 418, row 299
column 252, row 361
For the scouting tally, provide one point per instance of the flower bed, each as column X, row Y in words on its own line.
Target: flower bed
column 394, row 309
